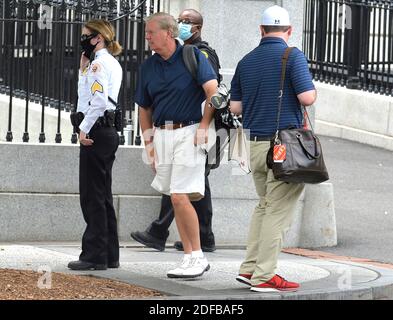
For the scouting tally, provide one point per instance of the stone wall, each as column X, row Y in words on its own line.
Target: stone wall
column 39, row 199
column 354, row 115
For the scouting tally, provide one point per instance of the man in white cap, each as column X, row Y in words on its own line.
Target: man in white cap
column 254, row 93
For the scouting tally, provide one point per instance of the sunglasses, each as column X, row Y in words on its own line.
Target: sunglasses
column 85, row 37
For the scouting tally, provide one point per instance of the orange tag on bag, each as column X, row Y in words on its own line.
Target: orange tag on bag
column 279, row 153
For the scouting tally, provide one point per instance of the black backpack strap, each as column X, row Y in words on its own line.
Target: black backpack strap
column 190, row 60
column 211, row 55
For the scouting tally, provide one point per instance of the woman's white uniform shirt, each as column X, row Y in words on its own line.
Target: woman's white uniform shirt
column 102, row 78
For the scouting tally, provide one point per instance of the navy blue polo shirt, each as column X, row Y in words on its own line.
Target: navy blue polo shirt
column 256, row 84
column 168, row 87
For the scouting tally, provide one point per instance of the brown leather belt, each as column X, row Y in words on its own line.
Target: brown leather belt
column 174, row 126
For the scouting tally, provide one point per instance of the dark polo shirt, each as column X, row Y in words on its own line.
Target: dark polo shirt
column 256, row 84
column 168, row 87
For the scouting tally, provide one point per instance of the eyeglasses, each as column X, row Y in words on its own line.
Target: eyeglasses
column 85, row 37
column 185, row 21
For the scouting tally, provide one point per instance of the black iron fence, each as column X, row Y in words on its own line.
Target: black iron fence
column 350, row 43
column 40, row 53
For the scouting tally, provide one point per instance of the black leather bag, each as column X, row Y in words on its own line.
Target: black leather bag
column 304, row 161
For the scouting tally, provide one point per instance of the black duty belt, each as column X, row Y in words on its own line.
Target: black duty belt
column 105, row 121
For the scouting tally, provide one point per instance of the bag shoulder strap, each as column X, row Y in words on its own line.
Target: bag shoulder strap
column 190, row 60
column 284, row 61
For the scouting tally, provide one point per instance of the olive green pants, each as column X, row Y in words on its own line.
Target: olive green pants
column 271, row 218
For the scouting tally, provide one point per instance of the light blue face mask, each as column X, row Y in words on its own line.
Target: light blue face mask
column 185, row 31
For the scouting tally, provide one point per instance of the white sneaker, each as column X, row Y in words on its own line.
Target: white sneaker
column 197, row 267
column 178, row 272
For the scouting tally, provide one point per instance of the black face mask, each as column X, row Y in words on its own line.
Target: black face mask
column 87, row 47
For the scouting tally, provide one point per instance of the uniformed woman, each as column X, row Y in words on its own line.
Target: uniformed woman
column 100, row 77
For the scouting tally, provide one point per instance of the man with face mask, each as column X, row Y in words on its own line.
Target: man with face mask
column 190, row 27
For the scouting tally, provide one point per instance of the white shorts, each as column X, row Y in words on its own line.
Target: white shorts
column 180, row 166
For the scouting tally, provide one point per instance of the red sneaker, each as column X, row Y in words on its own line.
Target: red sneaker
column 276, row 283
column 244, row 278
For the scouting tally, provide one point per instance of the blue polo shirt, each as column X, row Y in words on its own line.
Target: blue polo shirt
column 168, row 87
column 256, row 84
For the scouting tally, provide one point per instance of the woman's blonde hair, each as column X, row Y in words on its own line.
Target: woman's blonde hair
column 106, row 29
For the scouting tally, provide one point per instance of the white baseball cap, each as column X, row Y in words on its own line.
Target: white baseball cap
column 275, row 16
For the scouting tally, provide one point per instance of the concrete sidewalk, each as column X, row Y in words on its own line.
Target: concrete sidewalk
column 326, row 278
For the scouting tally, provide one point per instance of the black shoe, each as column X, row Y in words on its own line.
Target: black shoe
column 208, row 247
column 83, row 265
column 113, row 265
column 148, row 240
column 205, row 248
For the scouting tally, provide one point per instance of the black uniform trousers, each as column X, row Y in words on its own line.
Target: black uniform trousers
column 159, row 227
column 100, row 242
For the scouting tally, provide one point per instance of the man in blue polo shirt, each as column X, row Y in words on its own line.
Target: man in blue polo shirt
column 170, row 100
column 254, row 93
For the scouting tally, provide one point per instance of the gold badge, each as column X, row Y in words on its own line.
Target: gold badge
column 205, row 53
column 96, row 87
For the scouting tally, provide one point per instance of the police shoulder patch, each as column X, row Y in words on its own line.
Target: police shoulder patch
column 96, row 87
column 95, row 67
column 205, row 53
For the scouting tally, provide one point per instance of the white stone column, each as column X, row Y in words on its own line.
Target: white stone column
column 232, row 26
column 174, row 7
